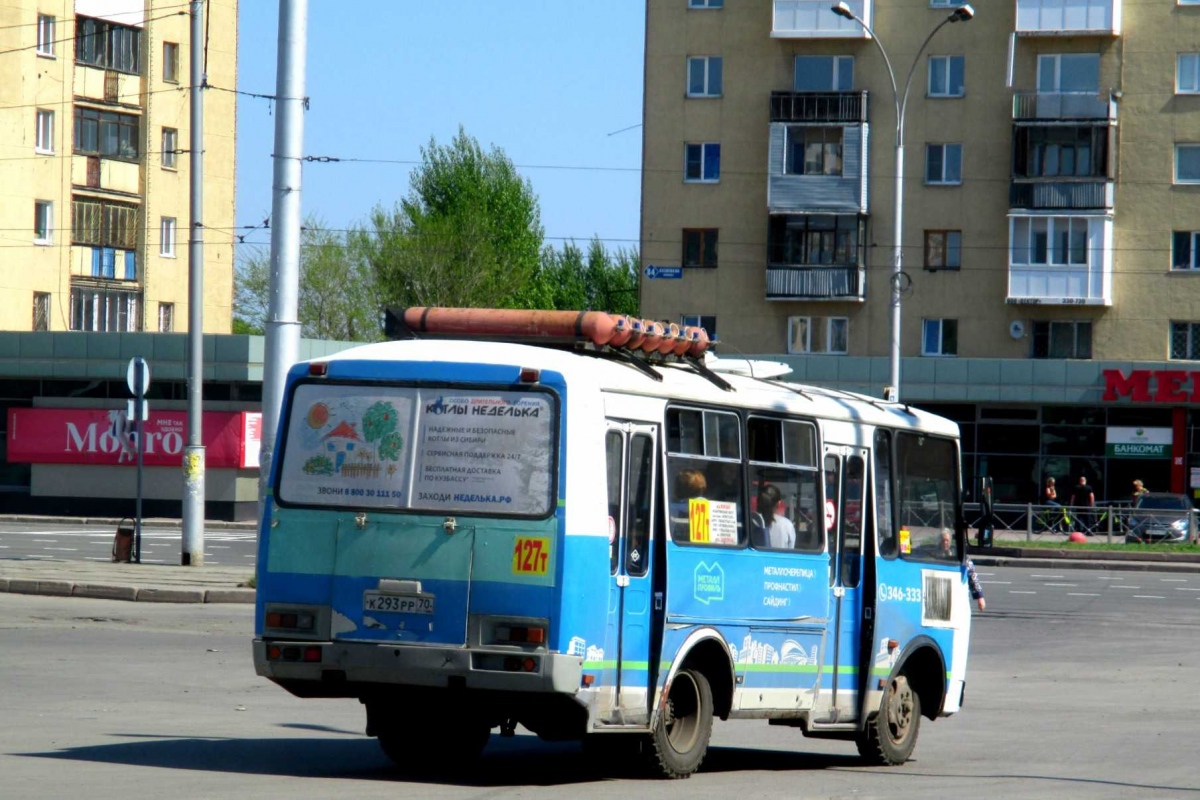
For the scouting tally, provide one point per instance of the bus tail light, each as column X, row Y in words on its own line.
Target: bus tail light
column 291, row 620
column 519, row 634
column 529, row 375
column 290, row 652
column 318, row 369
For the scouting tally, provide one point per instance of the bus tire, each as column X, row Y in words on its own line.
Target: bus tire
column 680, row 740
column 889, row 740
column 424, row 750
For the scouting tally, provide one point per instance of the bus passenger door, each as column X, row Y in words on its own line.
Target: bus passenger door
column 845, row 483
column 630, row 660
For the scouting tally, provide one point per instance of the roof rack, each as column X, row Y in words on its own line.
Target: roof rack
column 643, row 344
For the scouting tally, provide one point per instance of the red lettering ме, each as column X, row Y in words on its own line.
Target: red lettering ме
column 1136, row 386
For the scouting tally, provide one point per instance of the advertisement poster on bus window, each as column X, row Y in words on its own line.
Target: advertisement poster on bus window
column 442, row 451
column 484, row 451
column 348, row 446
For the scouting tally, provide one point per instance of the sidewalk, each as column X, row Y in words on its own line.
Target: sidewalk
column 157, row 583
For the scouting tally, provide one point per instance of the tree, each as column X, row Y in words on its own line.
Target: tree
column 601, row 282
column 468, row 234
column 337, row 298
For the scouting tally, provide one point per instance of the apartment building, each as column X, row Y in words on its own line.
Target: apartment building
column 1051, row 227
column 94, row 165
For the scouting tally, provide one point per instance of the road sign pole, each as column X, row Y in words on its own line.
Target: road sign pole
column 137, row 531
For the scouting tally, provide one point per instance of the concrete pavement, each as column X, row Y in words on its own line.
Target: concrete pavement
column 222, row 584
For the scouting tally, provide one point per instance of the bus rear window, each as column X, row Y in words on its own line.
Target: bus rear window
column 443, row 451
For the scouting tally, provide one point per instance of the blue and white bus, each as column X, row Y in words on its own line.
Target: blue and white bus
column 467, row 534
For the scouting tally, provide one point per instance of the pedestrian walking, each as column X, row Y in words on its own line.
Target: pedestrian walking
column 1082, row 496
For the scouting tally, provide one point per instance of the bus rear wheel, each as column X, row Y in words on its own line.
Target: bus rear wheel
column 680, row 741
column 424, row 748
column 890, row 739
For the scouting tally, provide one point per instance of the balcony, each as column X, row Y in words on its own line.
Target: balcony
column 812, row 19
column 1078, row 195
column 841, row 189
column 841, row 283
column 1042, row 106
column 1069, row 17
column 1063, row 260
column 844, row 107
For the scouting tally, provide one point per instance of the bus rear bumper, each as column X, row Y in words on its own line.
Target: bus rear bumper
column 345, row 669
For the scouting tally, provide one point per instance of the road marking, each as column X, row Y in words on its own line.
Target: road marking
column 1062, row 584
column 1045, row 576
column 1083, row 594
column 1173, row 580
column 990, row 583
column 45, row 541
column 68, row 549
column 219, row 546
column 1150, row 596
column 1014, row 591
column 1114, row 586
column 1109, row 578
column 1186, row 589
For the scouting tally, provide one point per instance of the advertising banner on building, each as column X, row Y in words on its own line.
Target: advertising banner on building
column 92, row 436
column 1137, row 442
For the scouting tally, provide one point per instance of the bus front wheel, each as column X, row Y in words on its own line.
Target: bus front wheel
column 890, row 739
column 680, row 740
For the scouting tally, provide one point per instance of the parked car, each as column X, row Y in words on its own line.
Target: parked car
column 1159, row 517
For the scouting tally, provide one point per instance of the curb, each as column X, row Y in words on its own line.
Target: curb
column 143, row 594
column 1093, row 564
column 155, row 522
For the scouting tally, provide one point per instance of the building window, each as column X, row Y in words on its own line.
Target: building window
column 45, row 35
column 702, row 163
column 166, row 246
column 170, row 143
column 813, row 150
column 1185, row 250
column 943, row 164
column 699, row 247
column 939, row 337
column 943, row 250
column 44, row 142
column 43, row 222
column 824, row 74
column 818, row 334
column 166, row 317
column 171, row 62
column 97, row 309
column 706, row 3
column 1185, row 341
column 1187, row 73
column 1062, row 340
column 41, row 311
column 704, row 76
column 706, row 321
column 107, row 45
column 815, row 240
column 946, row 76
column 106, row 134
column 101, row 224
column 1075, row 73
column 1054, row 241
column 1187, row 163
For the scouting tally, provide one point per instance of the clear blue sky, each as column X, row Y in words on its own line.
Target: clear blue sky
column 545, row 81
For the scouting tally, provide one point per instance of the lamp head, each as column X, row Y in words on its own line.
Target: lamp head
column 961, row 14
column 843, row 10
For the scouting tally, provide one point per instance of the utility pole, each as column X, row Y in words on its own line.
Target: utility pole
column 283, row 329
column 193, row 452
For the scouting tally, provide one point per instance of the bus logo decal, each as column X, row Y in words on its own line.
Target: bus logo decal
column 709, row 583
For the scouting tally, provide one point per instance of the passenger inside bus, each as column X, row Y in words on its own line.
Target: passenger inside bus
column 771, row 527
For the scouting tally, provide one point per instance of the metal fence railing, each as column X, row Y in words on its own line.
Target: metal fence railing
column 1112, row 521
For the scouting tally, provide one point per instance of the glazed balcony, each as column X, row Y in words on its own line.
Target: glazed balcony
column 1069, row 17
column 813, row 19
column 1072, row 195
column 1063, row 106
column 838, row 107
column 790, row 282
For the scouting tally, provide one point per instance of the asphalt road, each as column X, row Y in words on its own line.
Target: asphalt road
column 32, row 540
column 1087, row 697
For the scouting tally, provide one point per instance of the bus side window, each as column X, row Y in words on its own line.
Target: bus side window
column 883, row 494
column 614, row 452
column 641, row 485
column 783, row 469
column 854, row 497
column 704, row 463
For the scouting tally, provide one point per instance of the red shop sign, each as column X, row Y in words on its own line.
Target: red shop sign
column 1152, row 386
column 85, row 436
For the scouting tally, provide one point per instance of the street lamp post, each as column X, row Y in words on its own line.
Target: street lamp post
column 961, row 14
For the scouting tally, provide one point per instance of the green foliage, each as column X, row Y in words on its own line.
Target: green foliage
column 601, row 281
column 468, row 234
column 337, row 298
column 318, row 465
column 389, row 447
